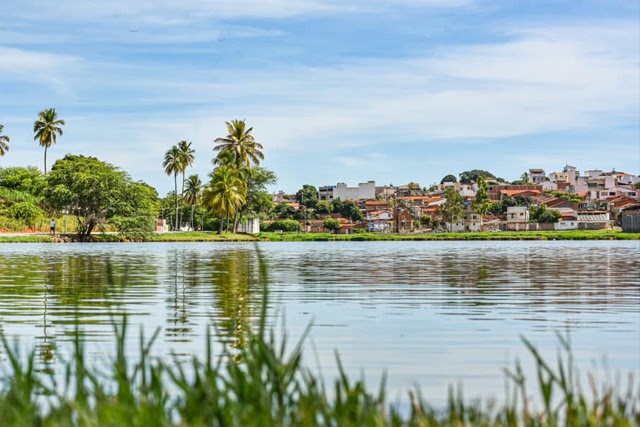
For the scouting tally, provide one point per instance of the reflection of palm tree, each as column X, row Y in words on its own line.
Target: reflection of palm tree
column 193, row 188
column 225, row 194
column 46, row 130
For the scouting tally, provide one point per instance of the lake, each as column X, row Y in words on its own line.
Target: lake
column 428, row 313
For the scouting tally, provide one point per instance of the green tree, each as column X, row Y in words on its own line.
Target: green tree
column 453, row 208
column 46, row 130
column 172, row 165
column 25, row 179
column 95, row 192
column 4, row 142
column 481, row 203
column 468, row 177
column 225, row 194
column 324, row 207
column 245, row 149
column 187, row 155
column 331, row 224
column 193, row 190
column 283, row 210
column 449, row 178
column 543, row 215
column 307, row 196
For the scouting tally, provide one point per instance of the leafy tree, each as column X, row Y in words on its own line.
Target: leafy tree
column 245, row 149
column 331, row 224
column 283, row 210
column 481, row 204
column 225, row 194
column 29, row 180
column 543, row 215
column 453, row 208
column 307, row 196
column 27, row 212
column 257, row 179
column 351, row 211
column 467, row 177
column 193, row 191
column 4, row 142
column 46, row 130
column 172, row 165
column 449, row 178
column 356, row 215
column 336, row 206
column 636, row 186
column 96, row 192
column 324, row 207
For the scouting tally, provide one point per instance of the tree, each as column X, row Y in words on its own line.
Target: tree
column 245, row 149
column 225, row 193
column 187, row 155
column 324, row 207
column 4, row 142
column 193, row 190
column 307, row 196
column 46, row 130
column 453, row 208
column 331, row 224
column 97, row 192
column 481, row 204
column 449, row 178
column 172, row 165
column 28, row 180
column 543, row 215
column 468, row 177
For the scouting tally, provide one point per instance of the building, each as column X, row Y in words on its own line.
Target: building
column 366, row 190
column 631, row 220
column 537, row 176
column 517, row 218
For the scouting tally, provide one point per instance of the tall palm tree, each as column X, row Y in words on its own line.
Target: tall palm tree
column 193, row 188
column 246, row 150
column 173, row 166
column 225, row 193
column 187, row 155
column 4, row 142
column 46, row 130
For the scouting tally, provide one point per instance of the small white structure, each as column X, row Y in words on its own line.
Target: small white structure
column 566, row 225
column 363, row 191
column 250, row 226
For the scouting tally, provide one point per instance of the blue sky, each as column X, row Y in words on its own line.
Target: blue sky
column 337, row 91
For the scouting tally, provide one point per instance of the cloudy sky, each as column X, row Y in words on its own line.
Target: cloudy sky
column 336, row 90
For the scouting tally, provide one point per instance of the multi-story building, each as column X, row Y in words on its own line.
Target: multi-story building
column 366, row 190
column 537, row 176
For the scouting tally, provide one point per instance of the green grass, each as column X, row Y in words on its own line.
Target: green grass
column 199, row 236
column 266, row 384
column 506, row 235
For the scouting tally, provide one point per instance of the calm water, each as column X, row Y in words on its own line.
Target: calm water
column 429, row 313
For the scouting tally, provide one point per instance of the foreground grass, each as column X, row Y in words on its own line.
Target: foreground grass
column 265, row 384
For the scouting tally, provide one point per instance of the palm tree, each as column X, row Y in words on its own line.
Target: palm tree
column 225, row 193
column 46, row 130
column 241, row 143
column 173, row 166
column 4, row 142
column 193, row 188
column 187, row 155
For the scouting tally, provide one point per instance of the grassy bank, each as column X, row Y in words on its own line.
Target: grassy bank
column 508, row 235
column 199, row 236
column 266, row 384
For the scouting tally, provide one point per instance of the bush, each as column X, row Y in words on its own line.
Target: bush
column 284, row 225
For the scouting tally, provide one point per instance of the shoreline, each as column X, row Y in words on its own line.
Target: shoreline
column 319, row 237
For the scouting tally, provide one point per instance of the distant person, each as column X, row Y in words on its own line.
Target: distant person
column 52, row 227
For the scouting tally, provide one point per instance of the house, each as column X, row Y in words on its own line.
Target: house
column 537, row 176
column 517, row 218
column 402, row 220
column 498, row 192
column 593, row 220
column 162, row 226
column 631, row 220
column 472, row 221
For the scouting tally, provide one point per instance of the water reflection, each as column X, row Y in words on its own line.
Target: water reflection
column 385, row 300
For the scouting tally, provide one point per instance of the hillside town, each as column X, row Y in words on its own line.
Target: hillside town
column 476, row 201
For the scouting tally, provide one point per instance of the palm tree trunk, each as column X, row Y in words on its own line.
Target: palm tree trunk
column 193, row 227
column 228, row 216
column 45, row 160
column 235, row 222
column 221, row 223
column 181, row 197
column 175, row 182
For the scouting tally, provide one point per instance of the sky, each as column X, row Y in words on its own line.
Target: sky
column 336, row 91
